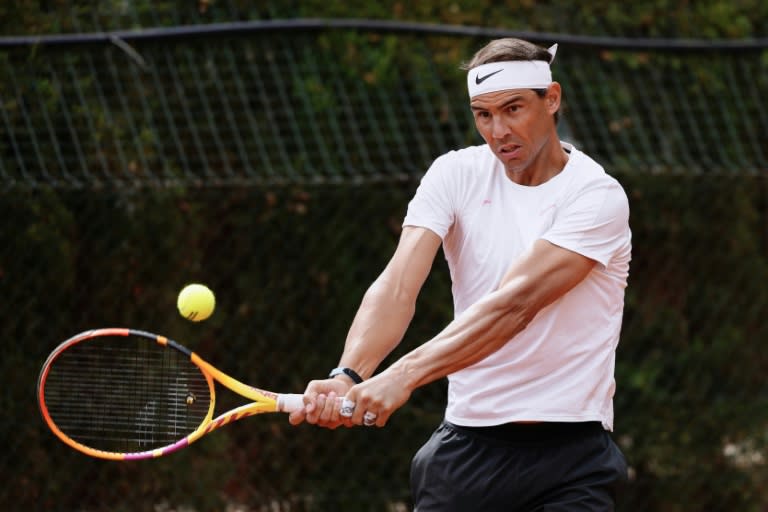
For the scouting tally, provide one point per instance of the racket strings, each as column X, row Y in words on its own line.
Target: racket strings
column 125, row 394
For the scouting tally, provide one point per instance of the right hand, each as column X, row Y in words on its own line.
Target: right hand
column 322, row 402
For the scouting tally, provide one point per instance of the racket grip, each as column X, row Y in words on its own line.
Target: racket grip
column 290, row 402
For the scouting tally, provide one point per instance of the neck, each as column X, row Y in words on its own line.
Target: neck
column 548, row 163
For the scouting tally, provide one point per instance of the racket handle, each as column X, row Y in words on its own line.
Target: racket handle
column 290, row 402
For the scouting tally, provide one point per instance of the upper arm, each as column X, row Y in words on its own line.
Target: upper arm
column 595, row 223
column 542, row 275
column 589, row 230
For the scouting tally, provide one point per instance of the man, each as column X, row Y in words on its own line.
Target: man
column 538, row 244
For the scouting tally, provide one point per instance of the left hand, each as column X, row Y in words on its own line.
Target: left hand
column 381, row 395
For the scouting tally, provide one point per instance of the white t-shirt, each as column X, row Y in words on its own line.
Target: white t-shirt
column 561, row 366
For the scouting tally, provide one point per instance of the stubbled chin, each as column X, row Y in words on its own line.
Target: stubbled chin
column 513, row 165
column 510, row 158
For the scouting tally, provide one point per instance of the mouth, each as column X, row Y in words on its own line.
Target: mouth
column 508, row 150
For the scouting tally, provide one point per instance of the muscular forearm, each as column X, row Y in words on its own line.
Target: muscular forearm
column 389, row 304
column 379, row 325
column 478, row 332
column 537, row 279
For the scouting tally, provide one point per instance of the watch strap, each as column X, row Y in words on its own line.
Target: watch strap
column 349, row 372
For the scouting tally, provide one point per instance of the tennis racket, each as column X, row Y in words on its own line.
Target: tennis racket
column 124, row 394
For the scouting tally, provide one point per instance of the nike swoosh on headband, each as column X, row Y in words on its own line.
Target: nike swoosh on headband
column 479, row 80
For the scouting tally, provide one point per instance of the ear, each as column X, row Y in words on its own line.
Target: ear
column 553, row 96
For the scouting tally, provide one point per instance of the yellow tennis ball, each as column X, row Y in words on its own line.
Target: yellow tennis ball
column 196, row 302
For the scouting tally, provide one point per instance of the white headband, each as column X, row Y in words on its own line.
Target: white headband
column 513, row 74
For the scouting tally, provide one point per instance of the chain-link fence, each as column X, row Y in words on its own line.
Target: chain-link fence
column 274, row 162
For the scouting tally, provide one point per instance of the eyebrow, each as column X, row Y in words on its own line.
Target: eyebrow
column 514, row 99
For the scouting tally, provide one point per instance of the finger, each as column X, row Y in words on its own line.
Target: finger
column 296, row 417
column 336, row 417
column 314, row 414
column 334, row 408
column 347, row 408
column 362, row 405
column 326, row 415
column 310, row 401
column 369, row 418
column 382, row 419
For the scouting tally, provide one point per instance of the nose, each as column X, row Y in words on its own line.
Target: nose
column 499, row 129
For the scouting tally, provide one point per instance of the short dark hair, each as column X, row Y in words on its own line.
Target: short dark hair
column 505, row 49
column 510, row 48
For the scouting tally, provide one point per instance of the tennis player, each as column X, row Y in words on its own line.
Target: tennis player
column 538, row 243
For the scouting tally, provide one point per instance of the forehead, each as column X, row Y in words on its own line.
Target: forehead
column 498, row 98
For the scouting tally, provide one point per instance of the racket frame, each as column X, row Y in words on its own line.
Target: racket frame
column 262, row 401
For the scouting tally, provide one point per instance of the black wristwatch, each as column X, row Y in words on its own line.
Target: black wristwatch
column 349, row 372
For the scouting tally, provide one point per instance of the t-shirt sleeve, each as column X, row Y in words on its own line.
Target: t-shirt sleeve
column 432, row 206
column 595, row 223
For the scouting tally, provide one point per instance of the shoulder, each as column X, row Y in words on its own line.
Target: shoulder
column 465, row 159
column 462, row 167
column 589, row 174
column 587, row 168
column 456, row 176
column 590, row 188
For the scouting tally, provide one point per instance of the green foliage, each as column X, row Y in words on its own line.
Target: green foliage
column 715, row 19
column 691, row 347
column 289, row 266
column 290, row 256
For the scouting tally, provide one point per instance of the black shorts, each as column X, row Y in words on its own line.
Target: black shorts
column 518, row 467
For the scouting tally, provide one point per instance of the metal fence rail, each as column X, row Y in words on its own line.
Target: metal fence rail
column 306, row 102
